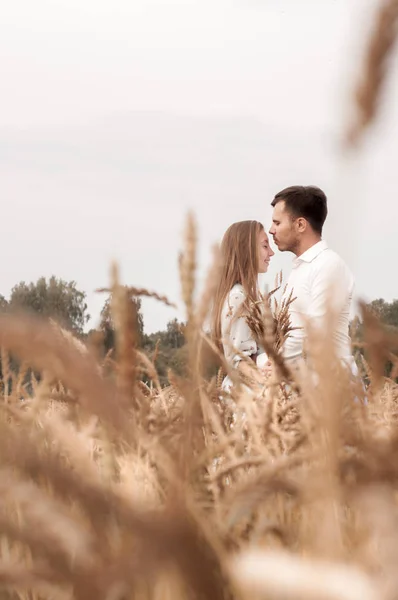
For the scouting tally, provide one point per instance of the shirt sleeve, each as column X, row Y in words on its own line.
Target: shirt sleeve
column 238, row 332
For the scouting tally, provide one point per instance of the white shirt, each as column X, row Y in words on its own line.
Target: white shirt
column 236, row 335
column 319, row 276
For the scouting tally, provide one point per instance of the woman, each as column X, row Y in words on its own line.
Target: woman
column 245, row 253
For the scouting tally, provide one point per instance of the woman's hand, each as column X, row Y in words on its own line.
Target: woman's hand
column 267, row 369
column 256, row 375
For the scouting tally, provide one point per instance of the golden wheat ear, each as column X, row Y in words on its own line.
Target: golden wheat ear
column 35, row 342
column 137, row 292
column 369, row 87
column 187, row 265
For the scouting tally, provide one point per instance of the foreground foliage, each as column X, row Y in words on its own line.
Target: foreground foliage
column 112, row 488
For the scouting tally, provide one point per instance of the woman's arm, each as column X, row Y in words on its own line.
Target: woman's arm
column 236, row 332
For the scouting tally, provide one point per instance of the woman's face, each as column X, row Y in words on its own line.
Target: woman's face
column 264, row 252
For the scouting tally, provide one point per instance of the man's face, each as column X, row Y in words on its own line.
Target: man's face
column 283, row 229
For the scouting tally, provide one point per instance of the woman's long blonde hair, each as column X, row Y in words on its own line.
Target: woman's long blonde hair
column 239, row 264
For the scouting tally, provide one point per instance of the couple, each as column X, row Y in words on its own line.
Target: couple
column 318, row 275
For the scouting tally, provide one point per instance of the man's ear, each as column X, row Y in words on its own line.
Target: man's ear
column 301, row 224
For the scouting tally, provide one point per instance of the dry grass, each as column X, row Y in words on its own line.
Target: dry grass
column 113, row 489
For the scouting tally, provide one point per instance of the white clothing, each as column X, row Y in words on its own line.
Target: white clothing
column 319, row 278
column 236, row 335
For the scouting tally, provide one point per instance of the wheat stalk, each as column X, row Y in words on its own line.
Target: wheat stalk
column 370, row 85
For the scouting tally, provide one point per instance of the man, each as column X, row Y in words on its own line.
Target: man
column 319, row 275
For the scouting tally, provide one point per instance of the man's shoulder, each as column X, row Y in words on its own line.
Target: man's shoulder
column 330, row 256
column 330, row 261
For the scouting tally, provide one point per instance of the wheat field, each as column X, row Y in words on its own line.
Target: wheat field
column 113, row 487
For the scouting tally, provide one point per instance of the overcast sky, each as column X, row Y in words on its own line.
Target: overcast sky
column 119, row 116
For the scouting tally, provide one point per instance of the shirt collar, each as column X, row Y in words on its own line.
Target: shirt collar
column 309, row 255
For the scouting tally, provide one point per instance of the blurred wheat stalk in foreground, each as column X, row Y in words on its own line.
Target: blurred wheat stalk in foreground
column 114, row 489
column 371, row 82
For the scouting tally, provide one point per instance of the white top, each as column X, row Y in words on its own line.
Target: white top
column 319, row 276
column 236, row 335
column 235, row 332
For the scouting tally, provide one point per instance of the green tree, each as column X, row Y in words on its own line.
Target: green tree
column 55, row 298
column 387, row 312
column 107, row 329
column 174, row 335
column 172, row 352
column 171, row 349
column 3, row 303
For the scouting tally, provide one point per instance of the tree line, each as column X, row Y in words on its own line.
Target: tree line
column 64, row 302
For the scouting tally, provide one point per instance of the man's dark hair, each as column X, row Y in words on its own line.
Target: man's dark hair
column 306, row 201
